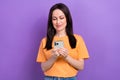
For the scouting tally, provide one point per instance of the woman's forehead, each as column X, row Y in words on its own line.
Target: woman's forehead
column 58, row 12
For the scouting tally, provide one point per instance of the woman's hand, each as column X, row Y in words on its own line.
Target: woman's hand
column 63, row 52
column 55, row 53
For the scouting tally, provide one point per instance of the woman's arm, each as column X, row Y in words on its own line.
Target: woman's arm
column 78, row 64
column 48, row 64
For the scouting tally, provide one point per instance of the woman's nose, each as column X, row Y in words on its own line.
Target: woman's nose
column 58, row 21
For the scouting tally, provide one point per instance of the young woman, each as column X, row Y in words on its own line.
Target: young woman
column 61, row 52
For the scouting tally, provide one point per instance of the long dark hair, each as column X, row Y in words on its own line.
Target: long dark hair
column 69, row 28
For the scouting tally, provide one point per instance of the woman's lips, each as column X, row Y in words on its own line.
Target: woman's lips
column 58, row 26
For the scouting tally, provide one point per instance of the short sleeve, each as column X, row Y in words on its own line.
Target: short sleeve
column 41, row 55
column 81, row 48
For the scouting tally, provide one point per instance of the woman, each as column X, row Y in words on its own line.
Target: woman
column 62, row 52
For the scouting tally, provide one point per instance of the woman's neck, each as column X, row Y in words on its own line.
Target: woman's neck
column 60, row 34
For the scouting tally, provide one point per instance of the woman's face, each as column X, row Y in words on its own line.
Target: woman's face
column 59, row 20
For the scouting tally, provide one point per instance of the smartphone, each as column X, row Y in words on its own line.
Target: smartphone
column 58, row 44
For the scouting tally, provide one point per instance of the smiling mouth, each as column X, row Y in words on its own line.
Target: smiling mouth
column 58, row 25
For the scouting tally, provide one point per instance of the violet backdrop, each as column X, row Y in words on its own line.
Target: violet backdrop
column 23, row 24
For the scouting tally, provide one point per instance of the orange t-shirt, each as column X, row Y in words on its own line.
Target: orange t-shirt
column 61, row 68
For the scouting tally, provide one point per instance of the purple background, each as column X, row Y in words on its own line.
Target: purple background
column 23, row 24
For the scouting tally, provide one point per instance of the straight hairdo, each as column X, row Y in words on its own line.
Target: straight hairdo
column 51, row 30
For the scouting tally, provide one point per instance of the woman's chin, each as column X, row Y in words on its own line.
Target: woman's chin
column 58, row 29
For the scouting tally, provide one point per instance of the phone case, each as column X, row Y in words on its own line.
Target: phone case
column 58, row 44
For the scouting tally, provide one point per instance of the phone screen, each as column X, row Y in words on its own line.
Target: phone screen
column 58, row 44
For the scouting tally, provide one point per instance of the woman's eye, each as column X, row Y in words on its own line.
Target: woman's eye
column 53, row 18
column 62, row 18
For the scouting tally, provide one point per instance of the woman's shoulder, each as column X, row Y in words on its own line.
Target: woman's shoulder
column 77, row 36
column 43, row 40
